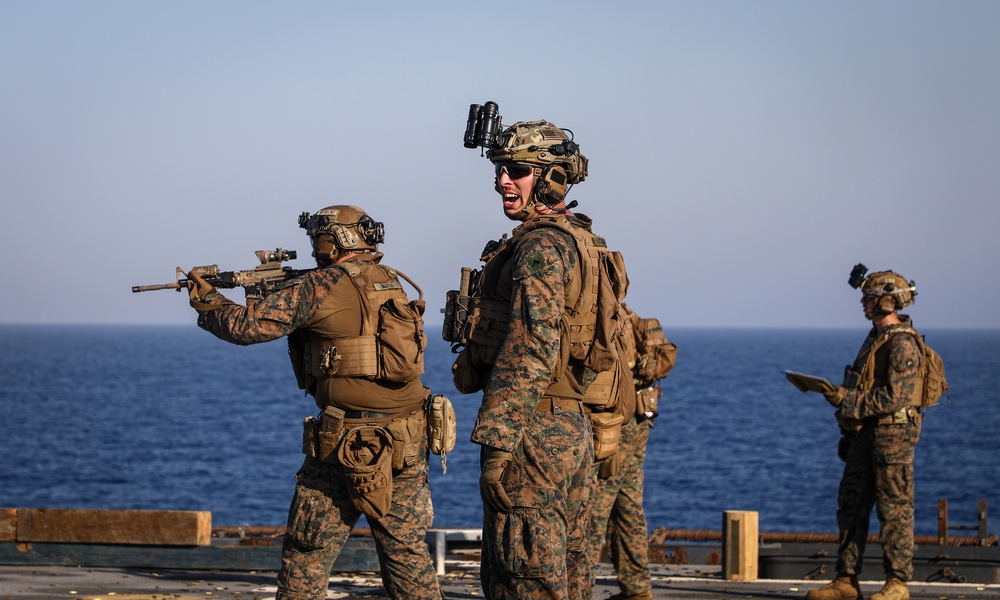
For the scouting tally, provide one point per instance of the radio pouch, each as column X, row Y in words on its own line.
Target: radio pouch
column 366, row 459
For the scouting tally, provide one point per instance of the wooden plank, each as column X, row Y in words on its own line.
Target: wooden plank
column 739, row 545
column 8, row 524
column 93, row 526
column 358, row 554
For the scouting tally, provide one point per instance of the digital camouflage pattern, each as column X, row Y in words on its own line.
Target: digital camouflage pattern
column 616, row 514
column 539, row 549
column 878, row 468
column 273, row 317
column 529, row 359
column 322, row 515
column 896, row 377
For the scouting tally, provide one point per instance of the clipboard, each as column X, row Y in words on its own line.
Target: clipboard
column 809, row 383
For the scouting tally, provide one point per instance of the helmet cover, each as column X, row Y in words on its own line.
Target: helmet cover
column 540, row 143
column 891, row 290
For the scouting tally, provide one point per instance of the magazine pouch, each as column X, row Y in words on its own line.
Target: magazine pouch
column 310, row 437
column 329, row 433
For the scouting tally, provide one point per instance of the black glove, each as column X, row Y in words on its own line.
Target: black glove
column 491, row 480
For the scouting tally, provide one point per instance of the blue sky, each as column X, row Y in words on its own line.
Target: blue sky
column 743, row 155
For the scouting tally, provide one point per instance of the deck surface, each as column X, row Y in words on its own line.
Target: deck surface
column 679, row 582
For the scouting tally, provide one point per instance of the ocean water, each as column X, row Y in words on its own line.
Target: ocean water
column 168, row 417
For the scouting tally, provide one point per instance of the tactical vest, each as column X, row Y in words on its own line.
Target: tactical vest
column 871, row 367
column 390, row 344
column 591, row 318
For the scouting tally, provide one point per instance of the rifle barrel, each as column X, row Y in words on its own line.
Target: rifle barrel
column 159, row 286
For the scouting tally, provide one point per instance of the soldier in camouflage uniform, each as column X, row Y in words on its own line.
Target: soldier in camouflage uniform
column 537, row 448
column 879, row 416
column 322, row 313
column 616, row 513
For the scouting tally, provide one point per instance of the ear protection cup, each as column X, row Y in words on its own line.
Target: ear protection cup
column 887, row 304
column 325, row 250
column 552, row 185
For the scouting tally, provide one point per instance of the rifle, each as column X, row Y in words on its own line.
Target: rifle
column 257, row 283
column 456, row 309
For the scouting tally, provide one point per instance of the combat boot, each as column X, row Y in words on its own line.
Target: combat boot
column 894, row 589
column 844, row 587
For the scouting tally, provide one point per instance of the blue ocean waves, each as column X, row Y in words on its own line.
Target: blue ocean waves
column 168, row 417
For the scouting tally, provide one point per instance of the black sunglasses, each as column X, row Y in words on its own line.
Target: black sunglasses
column 514, row 170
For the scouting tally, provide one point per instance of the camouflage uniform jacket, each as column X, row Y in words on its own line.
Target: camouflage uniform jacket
column 532, row 360
column 305, row 303
column 891, row 385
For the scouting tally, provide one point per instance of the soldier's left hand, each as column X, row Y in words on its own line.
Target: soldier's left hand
column 491, row 480
column 836, row 397
column 199, row 291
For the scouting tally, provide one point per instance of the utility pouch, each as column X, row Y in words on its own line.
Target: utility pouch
column 310, row 437
column 329, row 434
column 607, row 428
column 366, row 459
column 647, row 400
column 406, row 435
column 603, row 392
column 441, row 428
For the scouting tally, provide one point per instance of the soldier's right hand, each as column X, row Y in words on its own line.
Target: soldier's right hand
column 491, row 480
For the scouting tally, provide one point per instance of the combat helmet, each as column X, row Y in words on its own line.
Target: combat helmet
column 348, row 227
column 556, row 157
column 891, row 291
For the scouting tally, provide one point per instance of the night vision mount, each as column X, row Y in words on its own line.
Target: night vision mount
column 857, row 276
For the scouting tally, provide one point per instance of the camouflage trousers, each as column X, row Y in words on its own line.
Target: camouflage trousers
column 616, row 514
column 539, row 549
column 322, row 516
column 878, row 472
